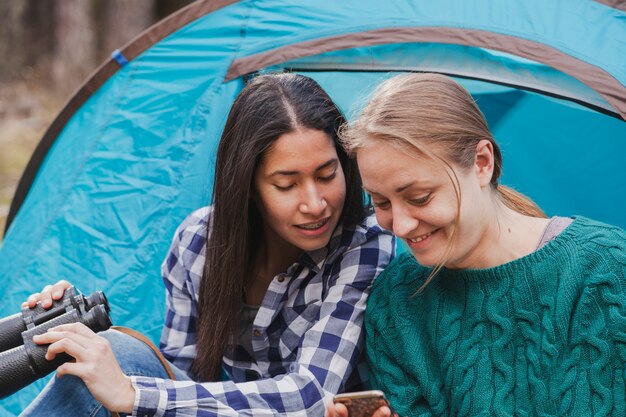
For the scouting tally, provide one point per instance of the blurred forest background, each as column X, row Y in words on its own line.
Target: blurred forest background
column 48, row 49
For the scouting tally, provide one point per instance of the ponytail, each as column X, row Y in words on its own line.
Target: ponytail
column 519, row 202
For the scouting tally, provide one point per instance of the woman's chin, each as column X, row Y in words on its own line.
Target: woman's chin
column 426, row 260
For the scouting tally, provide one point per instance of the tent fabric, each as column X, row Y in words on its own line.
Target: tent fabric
column 478, row 63
column 593, row 76
column 618, row 4
column 133, row 152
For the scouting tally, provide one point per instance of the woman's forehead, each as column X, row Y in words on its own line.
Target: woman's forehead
column 303, row 149
column 390, row 168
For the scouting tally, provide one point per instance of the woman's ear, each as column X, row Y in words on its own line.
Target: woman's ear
column 484, row 162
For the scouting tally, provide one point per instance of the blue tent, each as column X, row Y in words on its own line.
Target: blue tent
column 133, row 151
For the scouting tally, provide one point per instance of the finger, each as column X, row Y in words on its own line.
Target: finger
column 32, row 299
column 84, row 349
column 69, row 368
column 59, row 288
column 45, row 298
column 82, row 346
column 341, row 410
column 383, row 411
column 77, row 327
column 48, row 337
column 73, row 346
column 78, row 331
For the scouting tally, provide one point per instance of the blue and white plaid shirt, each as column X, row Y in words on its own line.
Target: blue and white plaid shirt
column 307, row 336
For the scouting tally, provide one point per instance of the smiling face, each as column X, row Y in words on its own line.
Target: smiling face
column 300, row 190
column 414, row 197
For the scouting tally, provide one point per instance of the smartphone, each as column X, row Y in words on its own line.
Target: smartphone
column 362, row 403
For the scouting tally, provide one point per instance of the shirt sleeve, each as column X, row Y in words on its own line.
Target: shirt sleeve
column 181, row 265
column 328, row 353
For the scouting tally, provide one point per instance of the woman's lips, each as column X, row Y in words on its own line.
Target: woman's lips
column 313, row 225
column 420, row 241
column 314, row 228
column 422, row 237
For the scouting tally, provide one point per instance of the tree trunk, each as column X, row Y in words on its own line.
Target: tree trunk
column 12, row 38
column 74, row 57
column 40, row 22
column 166, row 7
column 124, row 20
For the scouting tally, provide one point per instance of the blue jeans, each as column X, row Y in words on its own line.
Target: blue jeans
column 68, row 396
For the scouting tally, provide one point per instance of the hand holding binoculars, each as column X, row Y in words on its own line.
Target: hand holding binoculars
column 21, row 360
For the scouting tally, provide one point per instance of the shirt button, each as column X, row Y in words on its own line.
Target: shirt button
column 281, row 278
column 257, row 333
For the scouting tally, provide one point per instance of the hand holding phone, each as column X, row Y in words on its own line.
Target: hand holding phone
column 362, row 403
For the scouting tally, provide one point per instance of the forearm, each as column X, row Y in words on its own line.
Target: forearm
column 294, row 394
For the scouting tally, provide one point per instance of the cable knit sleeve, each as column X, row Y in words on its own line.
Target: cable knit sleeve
column 594, row 362
column 385, row 334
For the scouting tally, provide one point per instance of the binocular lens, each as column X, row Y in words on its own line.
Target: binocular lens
column 95, row 299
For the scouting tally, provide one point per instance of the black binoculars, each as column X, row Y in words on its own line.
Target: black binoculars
column 22, row 361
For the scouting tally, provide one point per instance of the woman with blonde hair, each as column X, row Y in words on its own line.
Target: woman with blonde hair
column 496, row 309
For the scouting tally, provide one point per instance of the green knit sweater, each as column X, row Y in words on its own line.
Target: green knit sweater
column 544, row 335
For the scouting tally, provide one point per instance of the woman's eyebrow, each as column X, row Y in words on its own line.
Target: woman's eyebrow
column 370, row 192
column 281, row 172
column 404, row 187
column 331, row 162
column 398, row 189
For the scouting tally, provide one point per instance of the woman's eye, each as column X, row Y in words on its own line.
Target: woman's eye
column 284, row 187
column 383, row 205
column 328, row 177
column 421, row 200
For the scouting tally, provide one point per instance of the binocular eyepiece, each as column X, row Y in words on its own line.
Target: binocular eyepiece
column 21, row 360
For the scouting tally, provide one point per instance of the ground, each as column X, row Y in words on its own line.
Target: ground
column 26, row 110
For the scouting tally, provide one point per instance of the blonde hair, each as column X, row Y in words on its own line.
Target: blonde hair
column 433, row 115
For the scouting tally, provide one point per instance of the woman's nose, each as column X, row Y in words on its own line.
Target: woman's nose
column 404, row 223
column 313, row 202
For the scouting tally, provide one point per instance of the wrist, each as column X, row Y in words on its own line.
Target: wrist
column 126, row 398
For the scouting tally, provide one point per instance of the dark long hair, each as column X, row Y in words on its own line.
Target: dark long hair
column 268, row 107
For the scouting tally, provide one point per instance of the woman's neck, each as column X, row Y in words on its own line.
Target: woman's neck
column 279, row 254
column 271, row 259
column 518, row 234
column 507, row 235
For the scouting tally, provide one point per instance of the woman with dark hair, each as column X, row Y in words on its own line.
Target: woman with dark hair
column 266, row 289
